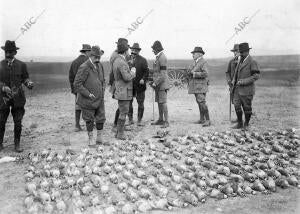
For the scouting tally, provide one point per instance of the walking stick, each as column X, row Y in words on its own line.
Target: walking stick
column 230, row 98
column 152, row 105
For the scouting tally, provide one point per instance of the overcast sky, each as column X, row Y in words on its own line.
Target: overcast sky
column 179, row 24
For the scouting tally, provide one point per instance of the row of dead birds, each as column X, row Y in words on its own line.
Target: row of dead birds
column 178, row 172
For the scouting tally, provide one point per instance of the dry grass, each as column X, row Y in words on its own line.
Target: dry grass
column 49, row 123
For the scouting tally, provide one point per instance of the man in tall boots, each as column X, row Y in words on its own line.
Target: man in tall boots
column 244, row 79
column 90, row 85
column 13, row 73
column 139, row 82
column 198, row 84
column 123, row 77
column 232, row 65
column 85, row 53
column 160, row 84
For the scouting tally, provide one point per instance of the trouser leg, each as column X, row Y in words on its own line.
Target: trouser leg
column 17, row 114
column 200, row 98
column 3, row 118
column 116, row 117
column 124, row 108
column 238, row 110
column 140, row 100
column 247, row 107
column 130, row 112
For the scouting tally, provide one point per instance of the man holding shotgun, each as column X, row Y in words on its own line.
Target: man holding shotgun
column 243, row 87
column 13, row 74
column 229, row 75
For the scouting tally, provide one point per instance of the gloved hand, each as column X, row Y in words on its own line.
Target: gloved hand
column 6, row 89
column 142, row 82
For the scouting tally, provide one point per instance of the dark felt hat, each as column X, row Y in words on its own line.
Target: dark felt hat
column 122, row 47
column 243, row 47
column 136, row 46
column 10, row 46
column 157, row 46
column 96, row 51
column 122, row 40
column 235, row 48
column 85, row 47
column 198, row 50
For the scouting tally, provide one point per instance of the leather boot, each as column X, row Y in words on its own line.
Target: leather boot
column 140, row 116
column 99, row 137
column 17, row 146
column 1, row 139
column 158, row 122
column 120, row 127
column 206, row 116
column 17, row 137
column 247, row 120
column 239, row 124
column 202, row 120
column 77, row 121
column 90, row 140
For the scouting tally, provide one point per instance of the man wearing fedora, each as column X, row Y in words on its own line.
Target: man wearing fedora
column 243, row 82
column 85, row 53
column 160, row 84
column 13, row 73
column 232, row 65
column 139, row 82
column 90, row 85
column 198, row 84
column 123, row 92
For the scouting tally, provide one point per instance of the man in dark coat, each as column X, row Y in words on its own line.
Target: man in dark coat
column 245, row 75
column 160, row 84
column 230, row 70
column 123, row 77
column 85, row 53
column 198, row 84
column 90, row 85
column 139, row 82
column 13, row 73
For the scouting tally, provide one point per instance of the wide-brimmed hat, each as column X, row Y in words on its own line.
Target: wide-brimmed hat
column 96, row 51
column 85, row 47
column 157, row 46
column 122, row 47
column 136, row 46
column 235, row 48
column 198, row 50
column 122, row 40
column 244, row 47
column 10, row 46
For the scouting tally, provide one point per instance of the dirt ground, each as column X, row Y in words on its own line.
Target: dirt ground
column 49, row 123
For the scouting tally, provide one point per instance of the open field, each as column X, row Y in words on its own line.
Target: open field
column 49, row 122
column 276, row 71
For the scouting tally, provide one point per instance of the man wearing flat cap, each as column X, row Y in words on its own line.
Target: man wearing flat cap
column 244, row 78
column 232, row 65
column 123, row 92
column 139, row 82
column 90, row 85
column 13, row 74
column 160, row 84
column 85, row 53
column 198, row 84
